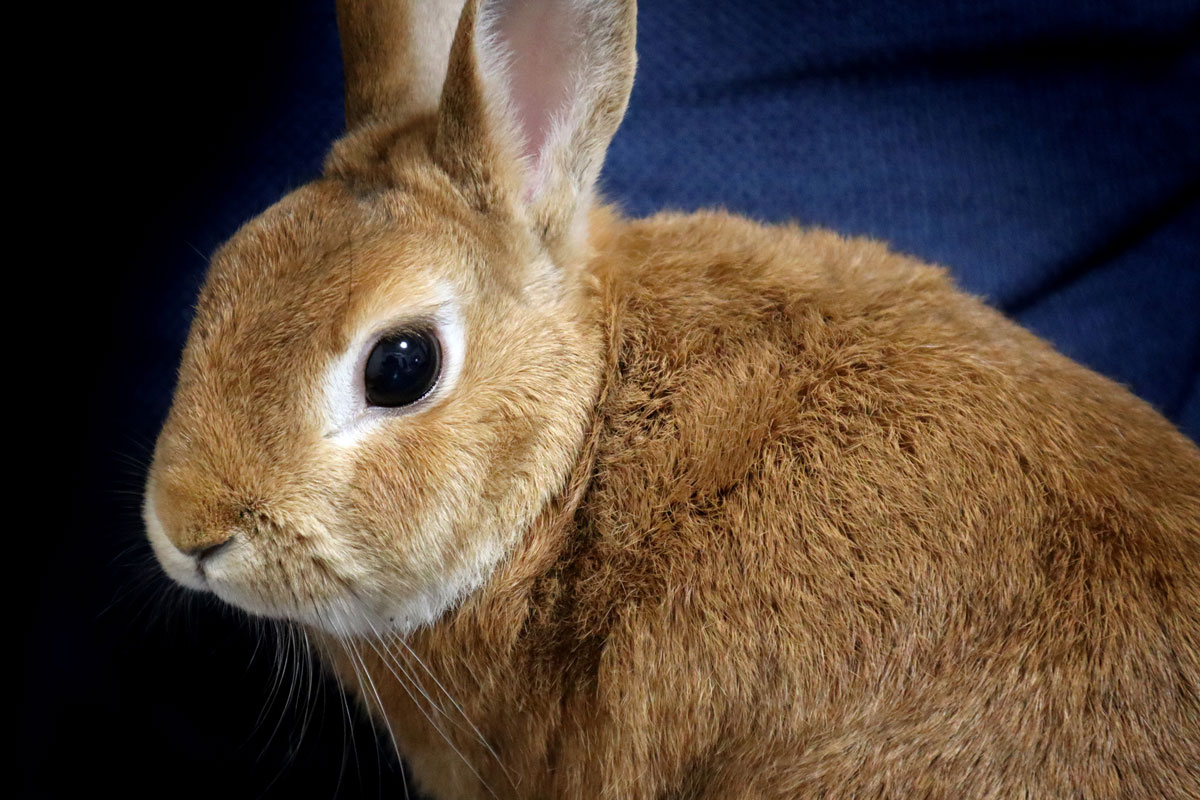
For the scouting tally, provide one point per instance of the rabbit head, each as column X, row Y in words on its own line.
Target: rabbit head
column 391, row 370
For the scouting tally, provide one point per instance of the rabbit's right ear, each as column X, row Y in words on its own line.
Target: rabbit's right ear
column 394, row 54
column 534, row 92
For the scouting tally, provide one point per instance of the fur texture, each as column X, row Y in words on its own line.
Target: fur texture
column 710, row 509
column 838, row 531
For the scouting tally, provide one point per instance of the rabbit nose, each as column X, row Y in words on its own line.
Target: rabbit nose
column 202, row 544
column 195, row 521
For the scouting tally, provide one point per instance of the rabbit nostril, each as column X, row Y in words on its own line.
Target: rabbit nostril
column 203, row 552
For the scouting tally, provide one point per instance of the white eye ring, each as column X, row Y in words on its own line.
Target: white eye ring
column 348, row 415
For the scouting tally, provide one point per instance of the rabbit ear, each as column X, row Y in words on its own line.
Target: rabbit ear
column 534, row 92
column 394, row 53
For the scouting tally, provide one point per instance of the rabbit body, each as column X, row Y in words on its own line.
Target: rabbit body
column 837, row 530
column 692, row 507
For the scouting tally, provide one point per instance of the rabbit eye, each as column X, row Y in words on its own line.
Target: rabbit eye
column 402, row 367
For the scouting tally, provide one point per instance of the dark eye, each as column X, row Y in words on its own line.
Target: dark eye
column 402, row 368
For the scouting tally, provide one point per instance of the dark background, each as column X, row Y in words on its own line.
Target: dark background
column 1047, row 152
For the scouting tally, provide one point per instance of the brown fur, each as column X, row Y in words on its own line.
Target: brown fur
column 784, row 514
column 850, row 534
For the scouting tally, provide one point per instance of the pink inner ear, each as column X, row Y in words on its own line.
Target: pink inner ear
column 540, row 37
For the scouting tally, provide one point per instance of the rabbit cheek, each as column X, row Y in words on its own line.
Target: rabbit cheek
column 410, row 497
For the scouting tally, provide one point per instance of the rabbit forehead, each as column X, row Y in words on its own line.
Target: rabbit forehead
column 312, row 271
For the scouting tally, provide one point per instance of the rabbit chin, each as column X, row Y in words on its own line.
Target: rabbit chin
column 341, row 612
column 371, row 609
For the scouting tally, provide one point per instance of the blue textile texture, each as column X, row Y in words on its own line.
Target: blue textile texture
column 1047, row 153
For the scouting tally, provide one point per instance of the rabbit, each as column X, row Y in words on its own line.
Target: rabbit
column 689, row 506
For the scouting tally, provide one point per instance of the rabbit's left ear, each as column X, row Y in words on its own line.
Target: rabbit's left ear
column 394, row 56
column 534, row 92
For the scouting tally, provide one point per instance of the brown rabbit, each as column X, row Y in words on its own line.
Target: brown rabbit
column 684, row 507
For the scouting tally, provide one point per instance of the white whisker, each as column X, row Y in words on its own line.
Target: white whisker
column 388, row 665
column 450, row 697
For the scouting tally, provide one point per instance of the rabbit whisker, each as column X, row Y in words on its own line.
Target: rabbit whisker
column 359, row 672
column 388, row 663
column 478, row 734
